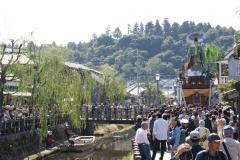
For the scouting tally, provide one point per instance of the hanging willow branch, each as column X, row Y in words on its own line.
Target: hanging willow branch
column 57, row 89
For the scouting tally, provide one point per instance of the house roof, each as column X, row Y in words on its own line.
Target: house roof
column 229, row 52
column 82, row 67
column 98, row 76
column 135, row 91
column 18, row 94
column 11, row 58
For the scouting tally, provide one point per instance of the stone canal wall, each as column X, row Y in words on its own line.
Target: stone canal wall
column 21, row 145
column 17, row 146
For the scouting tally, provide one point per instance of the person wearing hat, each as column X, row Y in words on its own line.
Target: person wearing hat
column 49, row 140
column 138, row 122
column 184, row 130
column 213, row 152
column 142, row 141
column 230, row 146
column 189, row 151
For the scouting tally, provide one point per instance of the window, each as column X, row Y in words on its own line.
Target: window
column 238, row 69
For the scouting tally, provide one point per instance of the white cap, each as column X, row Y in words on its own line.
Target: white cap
column 49, row 132
column 139, row 116
column 184, row 120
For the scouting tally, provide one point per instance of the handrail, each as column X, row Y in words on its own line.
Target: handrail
column 100, row 113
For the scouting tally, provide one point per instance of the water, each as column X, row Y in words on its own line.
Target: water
column 111, row 150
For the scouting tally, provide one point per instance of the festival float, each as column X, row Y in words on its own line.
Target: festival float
column 195, row 77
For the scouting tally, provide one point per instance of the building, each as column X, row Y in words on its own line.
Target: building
column 229, row 69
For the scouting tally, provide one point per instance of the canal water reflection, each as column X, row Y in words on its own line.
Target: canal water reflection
column 111, row 150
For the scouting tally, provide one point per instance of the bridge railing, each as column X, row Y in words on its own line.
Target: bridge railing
column 20, row 125
column 109, row 114
column 106, row 114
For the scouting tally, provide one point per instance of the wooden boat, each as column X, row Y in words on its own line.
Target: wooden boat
column 78, row 144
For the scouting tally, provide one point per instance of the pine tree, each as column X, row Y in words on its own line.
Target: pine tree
column 175, row 29
column 117, row 33
column 136, row 29
column 149, row 28
column 129, row 29
column 166, row 27
column 158, row 28
column 141, row 30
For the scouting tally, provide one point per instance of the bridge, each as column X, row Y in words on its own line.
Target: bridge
column 105, row 115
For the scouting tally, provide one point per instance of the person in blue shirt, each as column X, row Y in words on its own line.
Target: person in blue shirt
column 175, row 135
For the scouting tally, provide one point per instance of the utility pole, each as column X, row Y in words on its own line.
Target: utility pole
column 157, row 81
column 138, row 78
column 210, row 93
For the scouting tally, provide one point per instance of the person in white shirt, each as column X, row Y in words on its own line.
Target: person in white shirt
column 160, row 135
column 142, row 141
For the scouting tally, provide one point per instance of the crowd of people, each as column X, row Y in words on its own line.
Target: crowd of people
column 191, row 132
column 10, row 113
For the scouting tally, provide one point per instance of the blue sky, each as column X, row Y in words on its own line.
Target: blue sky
column 76, row 20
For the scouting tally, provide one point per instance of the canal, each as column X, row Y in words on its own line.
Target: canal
column 113, row 148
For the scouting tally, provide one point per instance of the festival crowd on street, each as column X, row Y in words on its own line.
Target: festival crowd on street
column 191, row 132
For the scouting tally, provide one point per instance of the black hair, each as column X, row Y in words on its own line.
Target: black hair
column 195, row 140
column 159, row 115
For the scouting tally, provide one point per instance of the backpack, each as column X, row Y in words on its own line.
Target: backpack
column 182, row 136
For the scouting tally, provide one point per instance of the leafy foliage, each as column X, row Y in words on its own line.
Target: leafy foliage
column 56, row 89
column 227, row 86
column 161, row 48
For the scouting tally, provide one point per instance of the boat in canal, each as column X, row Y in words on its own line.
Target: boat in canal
column 78, row 144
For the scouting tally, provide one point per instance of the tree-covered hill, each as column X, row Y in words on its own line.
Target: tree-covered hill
column 147, row 48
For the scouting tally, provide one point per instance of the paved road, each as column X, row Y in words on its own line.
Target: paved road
column 167, row 156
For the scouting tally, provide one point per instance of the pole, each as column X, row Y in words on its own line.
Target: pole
column 180, row 93
column 158, row 98
column 138, row 78
column 210, row 93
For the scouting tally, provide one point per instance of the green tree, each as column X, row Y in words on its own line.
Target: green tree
column 113, row 89
column 149, row 28
column 11, row 59
column 108, row 31
column 158, row 28
column 141, row 30
column 56, row 88
column 72, row 45
column 136, row 29
column 117, row 33
column 80, row 46
column 166, row 27
column 175, row 29
column 185, row 28
column 212, row 53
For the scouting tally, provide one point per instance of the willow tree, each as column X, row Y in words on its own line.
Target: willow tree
column 212, row 54
column 113, row 88
column 55, row 88
column 11, row 57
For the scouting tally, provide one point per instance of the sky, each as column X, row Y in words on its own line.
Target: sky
column 62, row 21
